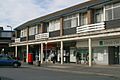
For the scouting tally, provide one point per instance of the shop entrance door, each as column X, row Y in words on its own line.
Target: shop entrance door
column 113, row 54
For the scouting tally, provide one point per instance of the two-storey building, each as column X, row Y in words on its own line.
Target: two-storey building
column 88, row 33
column 5, row 39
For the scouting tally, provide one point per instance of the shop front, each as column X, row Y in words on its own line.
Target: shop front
column 105, row 51
column 50, row 52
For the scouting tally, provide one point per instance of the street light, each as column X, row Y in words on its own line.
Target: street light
column 10, row 27
column 11, row 31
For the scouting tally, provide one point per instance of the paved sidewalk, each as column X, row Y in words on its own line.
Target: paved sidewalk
column 113, row 70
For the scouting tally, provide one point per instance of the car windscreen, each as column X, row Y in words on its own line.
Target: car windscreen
column 5, row 58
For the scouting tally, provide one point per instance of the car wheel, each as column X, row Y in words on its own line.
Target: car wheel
column 15, row 65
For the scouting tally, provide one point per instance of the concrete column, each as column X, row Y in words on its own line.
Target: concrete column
column 41, row 53
column 16, row 51
column 61, row 52
column 90, row 52
column 27, row 51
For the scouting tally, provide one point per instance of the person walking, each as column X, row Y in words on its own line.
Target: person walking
column 77, row 57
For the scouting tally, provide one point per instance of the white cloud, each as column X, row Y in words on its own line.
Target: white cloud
column 55, row 5
column 16, row 12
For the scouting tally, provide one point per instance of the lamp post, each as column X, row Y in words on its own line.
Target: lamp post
column 10, row 27
column 11, row 34
column 11, row 31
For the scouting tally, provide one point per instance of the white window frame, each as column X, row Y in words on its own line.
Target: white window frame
column 6, row 34
column 33, row 30
column 54, row 25
column 23, row 33
column 99, row 11
column 82, row 17
column 72, row 17
column 112, row 7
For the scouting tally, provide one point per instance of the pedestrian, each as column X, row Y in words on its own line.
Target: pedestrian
column 67, row 57
column 77, row 57
column 54, row 58
column 55, row 55
column 52, row 55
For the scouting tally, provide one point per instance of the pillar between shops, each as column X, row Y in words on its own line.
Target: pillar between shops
column 27, row 51
column 61, row 52
column 41, row 57
column 16, row 51
column 90, row 52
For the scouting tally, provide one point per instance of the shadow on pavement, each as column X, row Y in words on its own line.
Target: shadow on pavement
column 5, row 78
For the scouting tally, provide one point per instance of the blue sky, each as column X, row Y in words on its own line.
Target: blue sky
column 16, row 12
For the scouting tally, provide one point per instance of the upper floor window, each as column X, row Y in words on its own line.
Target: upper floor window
column 40, row 28
column 23, row 33
column 45, row 27
column 98, row 15
column 70, row 21
column 54, row 25
column 6, row 34
column 83, row 19
column 112, row 11
column 33, row 30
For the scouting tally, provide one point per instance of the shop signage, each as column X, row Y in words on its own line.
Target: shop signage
column 45, row 35
column 109, row 42
column 42, row 36
column 17, row 40
column 38, row 36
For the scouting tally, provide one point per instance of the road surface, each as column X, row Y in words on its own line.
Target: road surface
column 42, row 74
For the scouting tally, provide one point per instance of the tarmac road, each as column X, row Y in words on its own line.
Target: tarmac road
column 42, row 74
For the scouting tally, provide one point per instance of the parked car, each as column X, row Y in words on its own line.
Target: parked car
column 6, row 60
